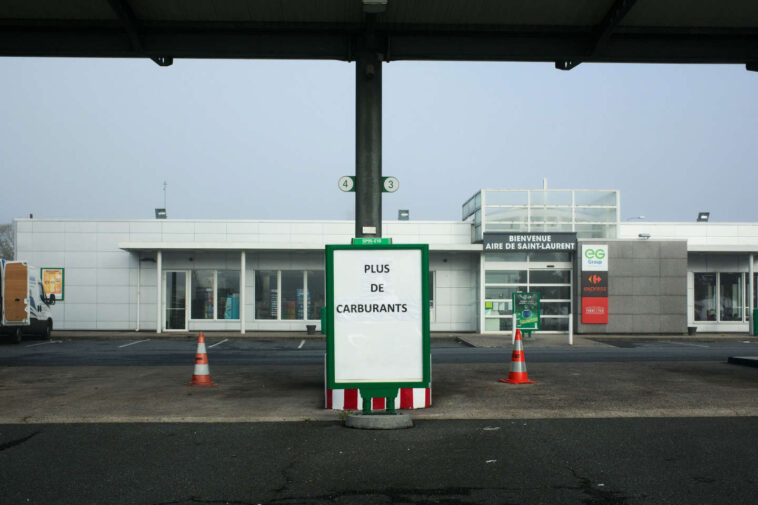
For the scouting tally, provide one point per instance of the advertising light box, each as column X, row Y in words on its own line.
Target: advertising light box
column 378, row 311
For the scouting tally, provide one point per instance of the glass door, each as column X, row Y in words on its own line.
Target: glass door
column 176, row 300
column 555, row 287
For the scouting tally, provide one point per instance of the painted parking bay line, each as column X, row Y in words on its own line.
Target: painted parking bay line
column 132, row 343
column 692, row 345
column 217, row 343
column 45, row 343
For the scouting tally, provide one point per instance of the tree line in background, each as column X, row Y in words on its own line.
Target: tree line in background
column 7, row 246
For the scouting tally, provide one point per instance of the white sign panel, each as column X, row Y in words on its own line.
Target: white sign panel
column 594, row 258
column 378, row 318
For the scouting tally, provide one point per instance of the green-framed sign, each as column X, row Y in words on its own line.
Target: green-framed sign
column 526, row 306
column 377, row 318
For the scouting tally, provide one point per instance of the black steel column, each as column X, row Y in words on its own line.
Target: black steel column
column 368, row 144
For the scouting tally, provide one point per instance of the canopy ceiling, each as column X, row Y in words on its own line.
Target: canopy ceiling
column 563, row 31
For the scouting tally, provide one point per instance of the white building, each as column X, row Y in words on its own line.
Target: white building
column 179, row 275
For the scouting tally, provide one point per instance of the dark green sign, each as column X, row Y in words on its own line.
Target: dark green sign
column 372, row 241
column 526, row 306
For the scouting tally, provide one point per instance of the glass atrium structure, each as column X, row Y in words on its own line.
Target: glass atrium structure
column 590, row 213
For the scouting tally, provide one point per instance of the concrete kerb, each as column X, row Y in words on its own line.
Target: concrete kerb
column 505, row 341
column 379, row 421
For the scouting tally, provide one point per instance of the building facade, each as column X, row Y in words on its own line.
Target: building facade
column 190, row 275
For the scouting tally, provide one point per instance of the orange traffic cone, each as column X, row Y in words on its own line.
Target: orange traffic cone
column 518, row 365
column 202, row 376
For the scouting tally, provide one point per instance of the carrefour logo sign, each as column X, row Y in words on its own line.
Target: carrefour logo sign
column 594, row 257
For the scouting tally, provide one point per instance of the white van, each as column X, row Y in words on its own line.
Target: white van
column 25, row 307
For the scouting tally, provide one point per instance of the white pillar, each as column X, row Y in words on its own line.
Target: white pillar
column 750, row 283
column 158, row 290
column 480, row 312
column 242, row 292
column 139, row 285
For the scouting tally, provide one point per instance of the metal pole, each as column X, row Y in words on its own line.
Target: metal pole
column 368, row 144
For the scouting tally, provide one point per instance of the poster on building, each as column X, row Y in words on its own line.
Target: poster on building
column 52, row 282
column 526, row 306
column 378, row 310
column 594, row 284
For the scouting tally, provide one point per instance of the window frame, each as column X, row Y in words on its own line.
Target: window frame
column 743, row 276
column 304, row 285
column 215, row 294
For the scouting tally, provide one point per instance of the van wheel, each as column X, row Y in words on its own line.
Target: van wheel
column 47, row 330
column 16, row 335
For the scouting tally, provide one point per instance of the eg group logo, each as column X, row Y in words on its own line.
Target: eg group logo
column 595, row 257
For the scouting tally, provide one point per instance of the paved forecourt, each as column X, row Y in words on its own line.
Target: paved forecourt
column 52, row 394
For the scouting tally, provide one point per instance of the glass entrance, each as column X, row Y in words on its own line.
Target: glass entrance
column 546, row 273
column 176, row 300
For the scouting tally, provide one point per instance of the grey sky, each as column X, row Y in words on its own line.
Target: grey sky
column 269, row 139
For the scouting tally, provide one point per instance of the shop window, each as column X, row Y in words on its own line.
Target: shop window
column 227, row 295
column 505, row 277
column 554, row 324
column 202, row 294
column 266, row 294
column 316, row 292
column 504, row 308
column 292, row 295
column 215, row 294
column 556, row 308
column 286, row 289
column 501, row 293
column 553, row 292
column 719, row 296
column 498, row 324
column 705, row 297
column 550, row 277
column 730, row 295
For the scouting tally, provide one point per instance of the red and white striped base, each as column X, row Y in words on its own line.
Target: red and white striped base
column 350, row 399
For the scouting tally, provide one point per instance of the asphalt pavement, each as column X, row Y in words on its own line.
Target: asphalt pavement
column 151, row 350
column 608, row 422
column 677, row 461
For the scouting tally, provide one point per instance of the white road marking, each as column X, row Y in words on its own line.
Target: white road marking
column 217, row 343
column 132, row 343
column 45, row 343
column 692, row 345
column 302, row 343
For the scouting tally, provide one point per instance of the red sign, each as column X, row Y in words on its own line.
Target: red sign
column 595, row 310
